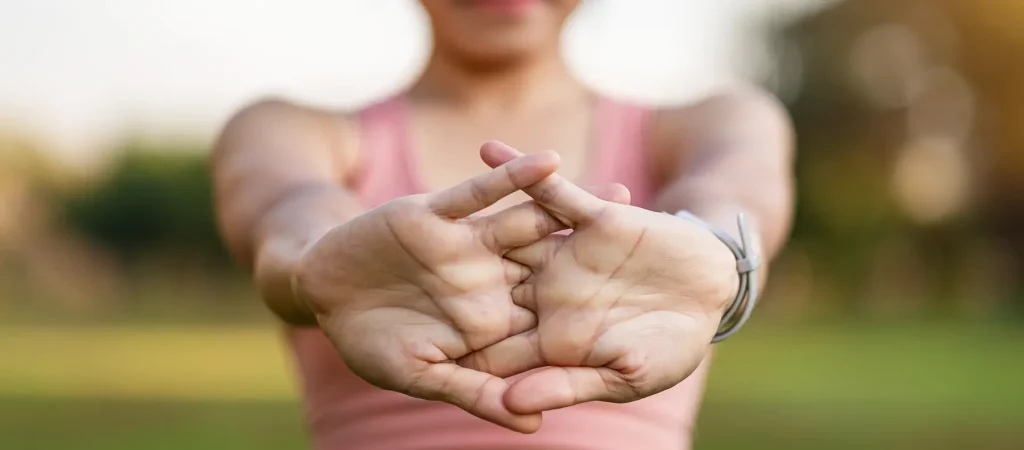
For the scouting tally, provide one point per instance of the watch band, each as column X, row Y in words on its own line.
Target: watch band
column 748, row 261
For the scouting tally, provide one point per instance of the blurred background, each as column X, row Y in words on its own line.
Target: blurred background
column 893, row 319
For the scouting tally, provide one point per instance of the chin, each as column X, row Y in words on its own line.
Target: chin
column 497, row 30
column 508, row 41
column 498, row 53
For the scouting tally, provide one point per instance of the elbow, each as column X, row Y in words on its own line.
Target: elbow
column 245, row 121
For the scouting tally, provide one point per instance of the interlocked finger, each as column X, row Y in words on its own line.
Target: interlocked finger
column 479, row 192
column 511, row 356
column 518, row 226
column 537, row 254
column 569, row 203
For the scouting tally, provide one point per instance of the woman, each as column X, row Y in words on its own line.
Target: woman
column 473, row 303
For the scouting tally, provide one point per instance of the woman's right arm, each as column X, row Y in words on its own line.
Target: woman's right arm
column 279, row 174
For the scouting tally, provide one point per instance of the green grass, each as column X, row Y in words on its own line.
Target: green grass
column 99, row 424
column 939, row 386
column 948, row 386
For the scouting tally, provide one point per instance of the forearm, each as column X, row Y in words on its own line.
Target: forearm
column 279, row 181
column 736, row 158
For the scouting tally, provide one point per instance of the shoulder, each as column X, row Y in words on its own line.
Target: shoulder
column 271, row 110
column 285, row 120
column 675, row 129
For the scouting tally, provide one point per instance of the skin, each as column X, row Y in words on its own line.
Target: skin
column 446, row 293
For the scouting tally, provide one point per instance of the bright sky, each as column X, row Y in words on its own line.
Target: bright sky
column 79, row 73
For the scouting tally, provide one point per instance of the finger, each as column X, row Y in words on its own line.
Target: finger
column 538, row 253
column 559, row 387
column 528, row 222
column 485, row 319
column 478, row 393
column 512, row 356
column 612, row 192
column 496, row 153
column 517, row 226
column 484, row 190
column 515, row 273
column 566, row 201
column 523, row 320
column 525, row 295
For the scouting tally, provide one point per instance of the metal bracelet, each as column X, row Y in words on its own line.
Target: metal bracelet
column 748, row 261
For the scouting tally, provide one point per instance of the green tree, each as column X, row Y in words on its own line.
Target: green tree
column 155, row 201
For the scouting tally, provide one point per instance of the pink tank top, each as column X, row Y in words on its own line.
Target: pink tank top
column 345, row 412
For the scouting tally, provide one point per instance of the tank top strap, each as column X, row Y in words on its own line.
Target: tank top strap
column 621, row 149
column 383, row 152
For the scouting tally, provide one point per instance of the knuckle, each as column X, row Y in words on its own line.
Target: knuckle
column 478, row 191
column 612, row 221
column 461, row 278
column 485, row 327
column 490, row 235
column 624, row 390
column 417, row 387
column 540, row 224
column 512, row 176
column 406, row 202
column 547, row 192
column 484, row 324
column 403, row 207
column 566, row 393
column 543, row 222
column 476, row 361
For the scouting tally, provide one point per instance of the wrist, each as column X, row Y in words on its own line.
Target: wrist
column 278, row 266
column 744, row 282
column 283, row 236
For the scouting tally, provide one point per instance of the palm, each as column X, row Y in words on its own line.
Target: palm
column 624, row 312
column 452, row 297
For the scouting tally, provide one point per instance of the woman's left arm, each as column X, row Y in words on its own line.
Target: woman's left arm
column 728, row 154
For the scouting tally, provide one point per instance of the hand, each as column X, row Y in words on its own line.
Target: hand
column 405, row 289
column 627, row 304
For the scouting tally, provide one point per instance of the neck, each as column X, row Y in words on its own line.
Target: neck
column 522, row 83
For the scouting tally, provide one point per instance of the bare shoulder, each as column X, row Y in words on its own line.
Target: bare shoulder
column 309, row 128
column 742, row 109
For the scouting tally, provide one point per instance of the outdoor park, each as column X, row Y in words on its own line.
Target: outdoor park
column 892, row 320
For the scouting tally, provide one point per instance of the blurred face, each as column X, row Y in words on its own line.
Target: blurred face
column 491, row 31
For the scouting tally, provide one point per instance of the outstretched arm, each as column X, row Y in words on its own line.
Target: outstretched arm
column 279, row 172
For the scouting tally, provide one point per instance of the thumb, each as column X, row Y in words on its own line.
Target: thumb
column 559, row 387
column 478, row 393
